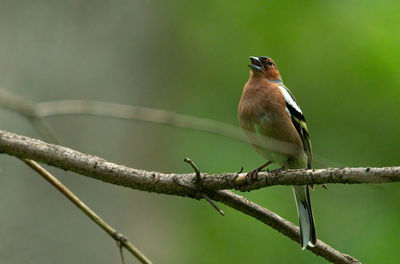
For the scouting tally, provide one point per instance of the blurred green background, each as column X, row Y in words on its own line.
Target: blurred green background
column 339, row 58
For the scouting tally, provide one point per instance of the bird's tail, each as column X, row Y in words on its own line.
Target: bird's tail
column 306, row 220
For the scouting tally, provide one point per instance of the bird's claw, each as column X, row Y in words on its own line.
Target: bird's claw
column 276, row 172
column 252, row 176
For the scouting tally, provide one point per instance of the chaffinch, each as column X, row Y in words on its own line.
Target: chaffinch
column 268, row 112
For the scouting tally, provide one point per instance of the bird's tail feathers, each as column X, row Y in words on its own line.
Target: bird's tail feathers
column 306, row 219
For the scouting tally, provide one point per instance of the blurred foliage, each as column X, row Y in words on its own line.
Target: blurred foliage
column 340, row 59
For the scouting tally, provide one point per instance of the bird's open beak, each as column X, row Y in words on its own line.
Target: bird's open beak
column 255, row 64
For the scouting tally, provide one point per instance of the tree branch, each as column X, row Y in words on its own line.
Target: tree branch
column 281, row 225
column 36, row 112
column 97, row 168
column 122, row 241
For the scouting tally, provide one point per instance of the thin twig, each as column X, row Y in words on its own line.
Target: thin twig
column 208, row 199
column 121, row 252
column 196, row 170
column 200, row 188
column 120, row 246
column 121, row 240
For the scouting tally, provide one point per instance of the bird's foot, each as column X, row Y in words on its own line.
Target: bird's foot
column 276, row 172
column 252, row 175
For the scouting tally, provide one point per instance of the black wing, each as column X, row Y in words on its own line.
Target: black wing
column 298, row 121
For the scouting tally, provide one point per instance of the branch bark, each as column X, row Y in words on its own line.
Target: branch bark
column 184, row 184
column 180, row 184
column 281, row 225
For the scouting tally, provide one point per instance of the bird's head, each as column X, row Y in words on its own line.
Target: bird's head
column 264, row 66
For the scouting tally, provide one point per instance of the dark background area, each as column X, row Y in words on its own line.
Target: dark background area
column 340, row 59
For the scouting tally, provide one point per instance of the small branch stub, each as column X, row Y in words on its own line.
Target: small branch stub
column 120, row 239
column 199, row 186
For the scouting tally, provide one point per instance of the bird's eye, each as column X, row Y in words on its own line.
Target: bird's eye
column 270, row 63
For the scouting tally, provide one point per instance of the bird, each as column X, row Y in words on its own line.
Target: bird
column 268, row 112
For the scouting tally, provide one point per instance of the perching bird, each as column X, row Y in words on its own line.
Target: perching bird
column 268, row 112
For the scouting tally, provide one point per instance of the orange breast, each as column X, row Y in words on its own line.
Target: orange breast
column 262, row 110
